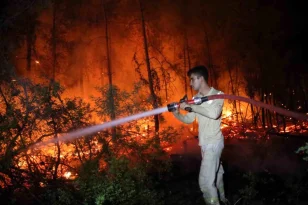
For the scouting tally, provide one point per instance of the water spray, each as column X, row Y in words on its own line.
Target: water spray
column 96, row 128
column 171, row 108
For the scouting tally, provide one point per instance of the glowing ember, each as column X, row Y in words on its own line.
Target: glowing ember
column 67, row 175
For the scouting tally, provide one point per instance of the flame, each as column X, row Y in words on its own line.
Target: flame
column 227, row 113
column 67, row 175
column 7, row 180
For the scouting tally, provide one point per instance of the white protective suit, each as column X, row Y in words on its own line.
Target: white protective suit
column 211, row 142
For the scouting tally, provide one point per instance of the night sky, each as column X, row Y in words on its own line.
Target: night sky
column 296, row 26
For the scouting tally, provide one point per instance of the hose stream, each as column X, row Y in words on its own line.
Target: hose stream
column 96, row 128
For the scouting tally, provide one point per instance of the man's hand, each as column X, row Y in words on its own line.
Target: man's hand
column 184, row 105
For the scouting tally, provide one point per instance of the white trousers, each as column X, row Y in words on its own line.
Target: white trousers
column 211, row 174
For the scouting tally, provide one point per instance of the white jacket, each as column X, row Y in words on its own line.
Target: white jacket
column 209, row 119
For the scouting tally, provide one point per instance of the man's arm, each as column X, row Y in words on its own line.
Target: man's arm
column 188, row 118
column 212, row 110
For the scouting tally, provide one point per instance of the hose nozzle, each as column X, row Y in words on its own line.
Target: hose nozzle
column 195, row 101
column 172, row 107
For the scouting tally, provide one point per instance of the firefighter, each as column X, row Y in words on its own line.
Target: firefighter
column 211, row 140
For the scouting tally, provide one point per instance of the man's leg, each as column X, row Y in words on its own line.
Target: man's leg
column 220, row 184
column 207, row 176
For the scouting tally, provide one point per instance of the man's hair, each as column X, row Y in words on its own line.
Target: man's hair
column 200, row 71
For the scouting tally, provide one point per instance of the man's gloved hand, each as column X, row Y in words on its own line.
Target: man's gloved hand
column 183, row 99
column 184, row 105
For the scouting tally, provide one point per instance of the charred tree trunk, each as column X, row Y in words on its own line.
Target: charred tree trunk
column 185, row 70
column 276, row 115
column 30, row 42
column 233, row 92
column 54, row 67
column 55, row 129
column 149, row 71
column 210, row 63
column 111, row 89
column 165, row 80
column 262, row 91
column 188, row 57
column 268, row 113
column 58, row 158
column 251, row 93
column 262, row 109
column 212, row 73
column 253, row 116
column 54, row 40
column 304, row 93
column 81, row 80
column 236, row 91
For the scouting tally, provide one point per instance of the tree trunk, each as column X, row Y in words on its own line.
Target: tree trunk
column 185, row 70
column 253, row 116
column 210, row 64
column 233, row 92
column 188, row 58
column 262, row 109
column 30, row 42
column 148, row 65
column 54, row 40
column 304, row 93
column 236, row 91
column 112, row 105
column 212, row 73
column 262, row 90
column 58, row 158
column 268, row 113
column 276, row 115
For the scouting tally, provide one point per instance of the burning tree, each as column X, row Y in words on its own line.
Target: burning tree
column 31, row 114
column 34, row 113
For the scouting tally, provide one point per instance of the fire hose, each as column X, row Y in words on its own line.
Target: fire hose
column 199, row 100
column 171, row 107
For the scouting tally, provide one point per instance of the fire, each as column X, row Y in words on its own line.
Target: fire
column 72, row 153
column 45, row 156
column 228, row 114
column 67, row 175
column 7, row 180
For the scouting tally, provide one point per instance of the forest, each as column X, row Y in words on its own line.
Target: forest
column 72, row 64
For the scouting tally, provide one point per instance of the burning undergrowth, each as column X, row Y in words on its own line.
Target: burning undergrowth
column 33, row 113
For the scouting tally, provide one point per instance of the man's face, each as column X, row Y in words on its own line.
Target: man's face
column 195, row 81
